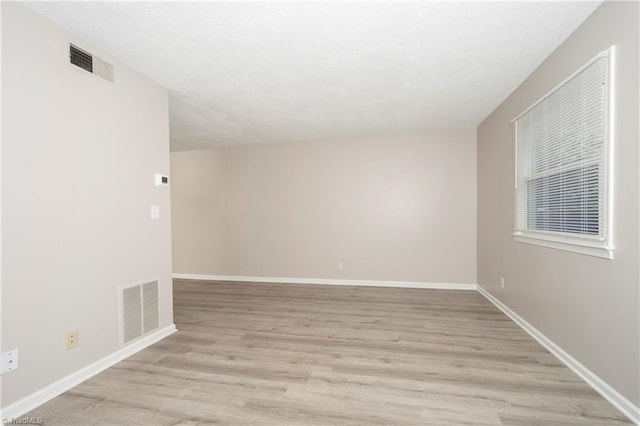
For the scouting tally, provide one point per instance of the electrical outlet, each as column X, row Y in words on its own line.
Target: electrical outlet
column 9, row 361
column 502, row 282
column 71, row 339
column 340, row 266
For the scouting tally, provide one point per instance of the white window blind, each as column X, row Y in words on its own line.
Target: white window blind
column 562, row 161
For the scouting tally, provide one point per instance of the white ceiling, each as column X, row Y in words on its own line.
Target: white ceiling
column 242, row 73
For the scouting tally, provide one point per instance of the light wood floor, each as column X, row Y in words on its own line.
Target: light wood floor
column 281, row 354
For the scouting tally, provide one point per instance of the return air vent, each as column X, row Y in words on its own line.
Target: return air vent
column 90, row 63
column 140, row 311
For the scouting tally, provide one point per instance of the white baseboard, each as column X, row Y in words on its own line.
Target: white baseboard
column 23, row 406
column 610, row 394
column 328, row 281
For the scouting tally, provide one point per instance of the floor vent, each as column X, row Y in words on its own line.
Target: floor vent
column 140, row 312
column 90, row 63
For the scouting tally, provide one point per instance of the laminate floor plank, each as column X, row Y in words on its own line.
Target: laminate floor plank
column 284, row 354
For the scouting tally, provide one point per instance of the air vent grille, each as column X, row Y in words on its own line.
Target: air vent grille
column 140, row 310
column 80, row 58
column 132, row 313
column 90, row 63
column 150, row 317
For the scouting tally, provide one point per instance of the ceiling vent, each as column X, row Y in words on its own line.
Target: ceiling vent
column 90, row 63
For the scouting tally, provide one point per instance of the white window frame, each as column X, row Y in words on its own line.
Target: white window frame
column 573, row 242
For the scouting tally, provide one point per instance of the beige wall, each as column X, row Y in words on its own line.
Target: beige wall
column 389, row 208
column 588, row 306
column 78, row 160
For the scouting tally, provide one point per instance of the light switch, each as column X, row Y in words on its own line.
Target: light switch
column 155, row 212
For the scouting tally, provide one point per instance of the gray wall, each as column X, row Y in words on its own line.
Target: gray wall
column 587, row 305
column 390, row 208
column 79, row 156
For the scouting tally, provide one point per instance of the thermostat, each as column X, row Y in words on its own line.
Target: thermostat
column 162, row 180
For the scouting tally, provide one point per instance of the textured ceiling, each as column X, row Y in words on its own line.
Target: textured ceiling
column 241, row 73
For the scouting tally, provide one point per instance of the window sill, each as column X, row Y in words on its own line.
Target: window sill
column 590, row 250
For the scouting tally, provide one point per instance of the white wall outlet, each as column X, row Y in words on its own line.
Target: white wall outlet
column 155, row 212
column 9, row 361
column 340, row 266
column 502, row 282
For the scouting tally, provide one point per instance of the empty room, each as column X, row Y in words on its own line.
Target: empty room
column 320, row 213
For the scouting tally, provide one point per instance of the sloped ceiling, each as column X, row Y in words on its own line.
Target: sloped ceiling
column 245, row 73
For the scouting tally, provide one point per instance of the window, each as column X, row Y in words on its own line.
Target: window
column 563, row 164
